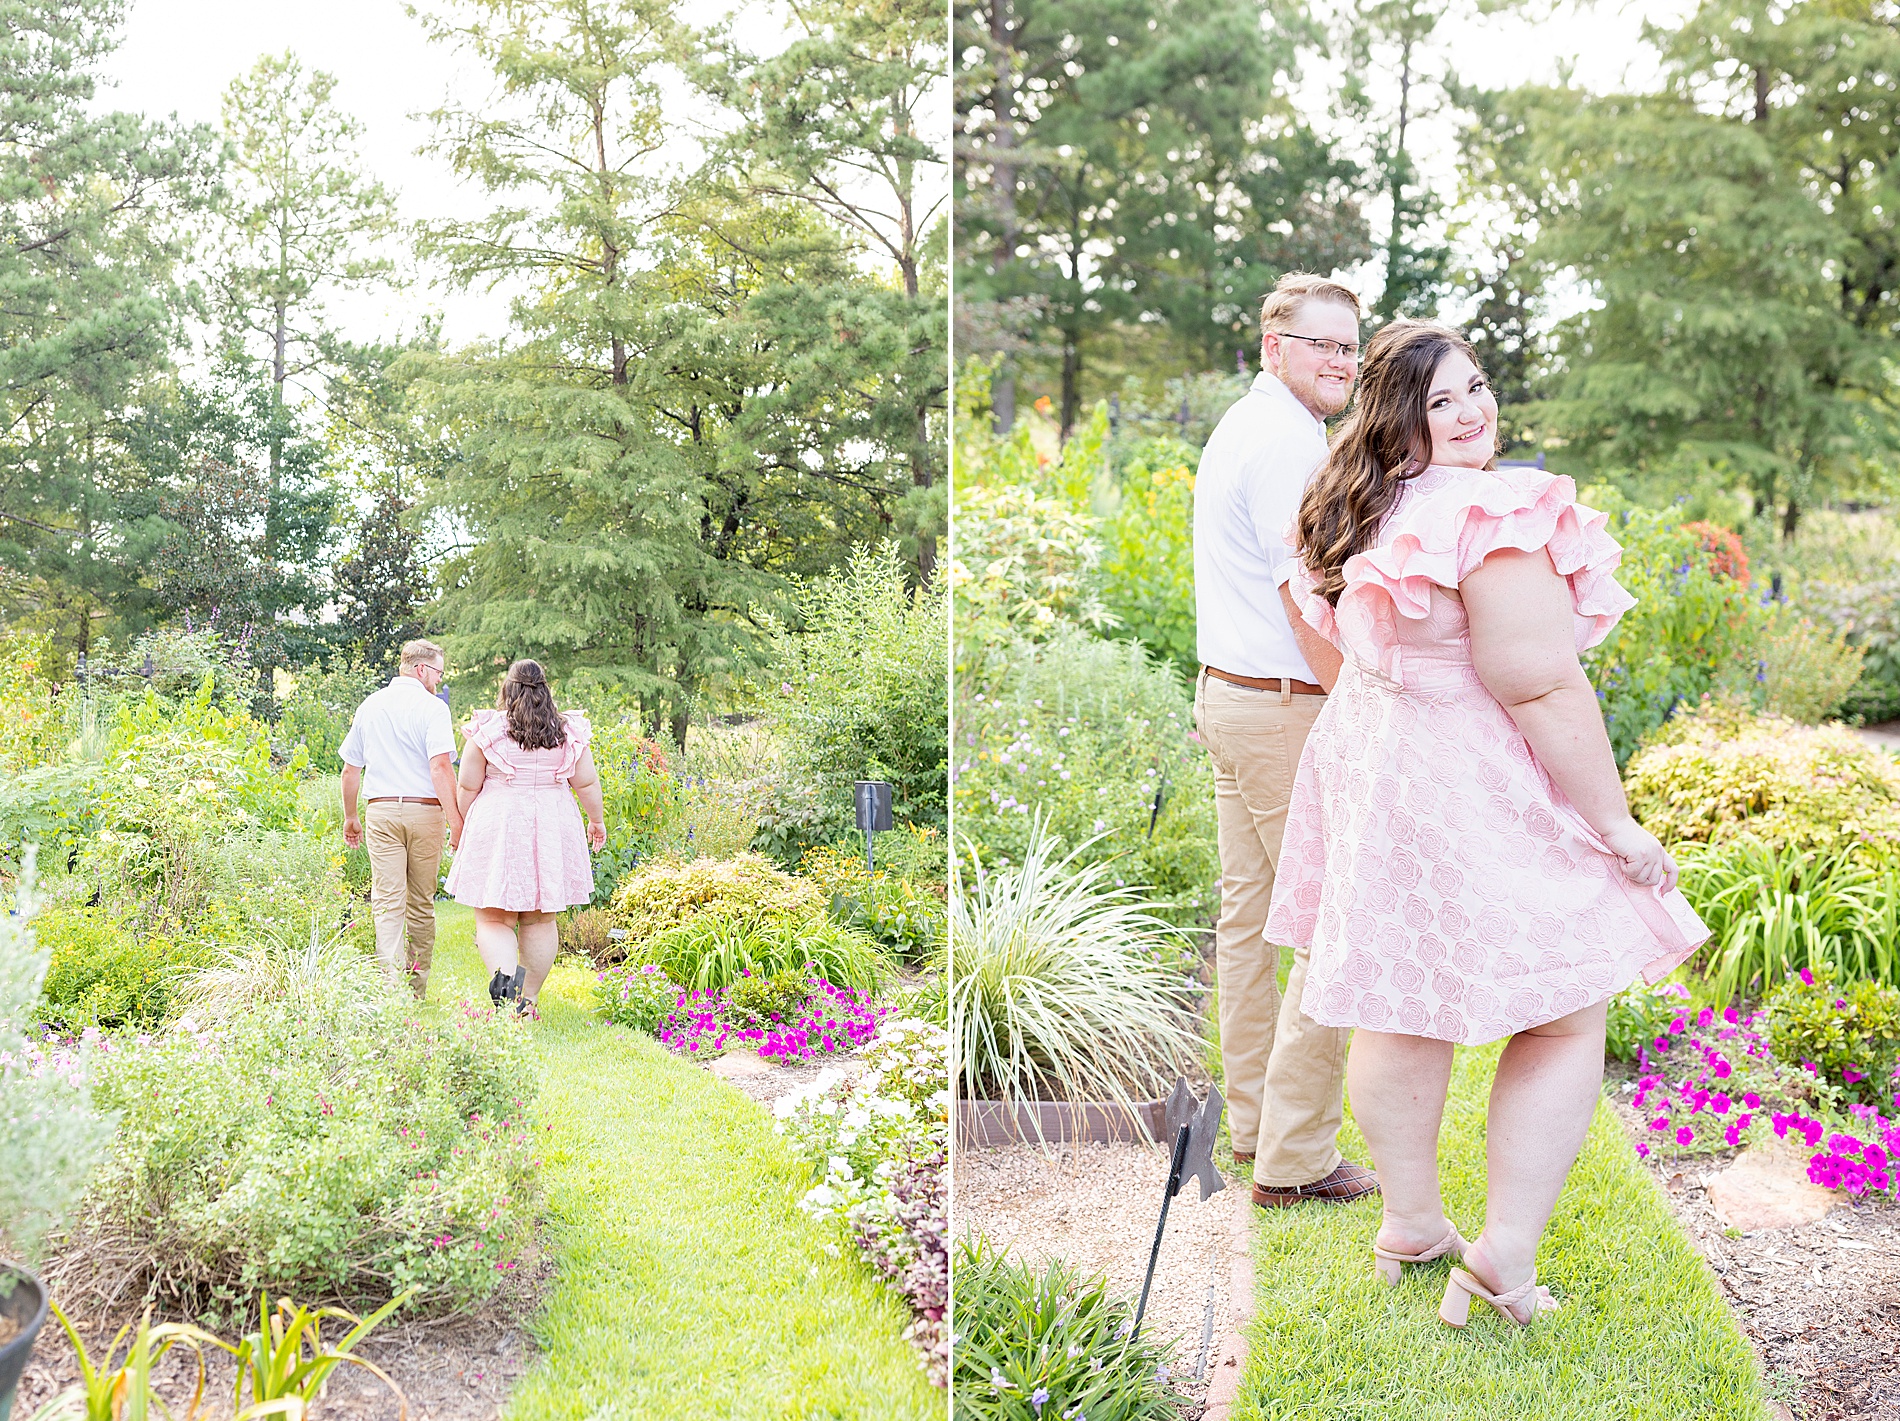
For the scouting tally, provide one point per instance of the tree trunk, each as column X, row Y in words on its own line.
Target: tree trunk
column 272, row 514
column 1003, row 193
column 1790, row 519
column 1071, row 383
column 1761, row 95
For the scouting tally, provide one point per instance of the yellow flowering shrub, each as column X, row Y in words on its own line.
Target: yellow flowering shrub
column 1721, row 770
column 666, row 893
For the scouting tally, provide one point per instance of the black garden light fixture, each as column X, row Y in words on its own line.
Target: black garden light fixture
column 873, row 799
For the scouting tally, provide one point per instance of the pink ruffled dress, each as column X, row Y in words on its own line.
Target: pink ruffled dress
column 524, row 845
column 1444, row 885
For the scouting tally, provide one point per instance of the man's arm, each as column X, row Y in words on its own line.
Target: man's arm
column 352, row 826
column 1320, row 654
column 443, row 778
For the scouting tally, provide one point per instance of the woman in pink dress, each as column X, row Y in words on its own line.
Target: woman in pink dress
column 1459, row 856
column 522, row 855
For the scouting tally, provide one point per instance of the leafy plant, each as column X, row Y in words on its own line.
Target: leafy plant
column 635, row 995
column 710, row 951
column 762, row 1001
column 586, row 933
column 105, row 974
column 1772, row 911
column 1636, row 1015
column 1850, row 1032
column 124, row 1392
column 278, row 1376
column 1066, row 987
column 884, row 904
column 1097, row 740
column 1808, row 669
column 1148, row 573
column 317, row 713
column 1033, row 1346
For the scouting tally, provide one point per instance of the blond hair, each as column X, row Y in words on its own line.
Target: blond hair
column 420, row 653
column 1290, row 295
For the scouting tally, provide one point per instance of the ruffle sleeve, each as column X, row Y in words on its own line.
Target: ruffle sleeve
column 579, row 735
column 488, row 729
column 1444, row 530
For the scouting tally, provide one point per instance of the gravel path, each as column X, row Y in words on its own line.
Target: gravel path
column 1095, row 1207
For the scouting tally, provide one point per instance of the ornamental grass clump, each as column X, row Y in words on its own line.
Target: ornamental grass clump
column 1034, row 1346
column 713, row 951
column 1067, row 988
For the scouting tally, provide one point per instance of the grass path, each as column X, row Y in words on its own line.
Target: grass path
column 1644, row 1335
column 687, row 1282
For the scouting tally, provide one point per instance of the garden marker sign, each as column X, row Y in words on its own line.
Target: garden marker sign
column 874, row 811
column 1195, row 1130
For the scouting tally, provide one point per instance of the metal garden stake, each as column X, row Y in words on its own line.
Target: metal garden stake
column 1195, row 1130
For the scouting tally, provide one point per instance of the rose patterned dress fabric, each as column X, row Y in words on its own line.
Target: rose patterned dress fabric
column 524, row 846
column 1445, row 886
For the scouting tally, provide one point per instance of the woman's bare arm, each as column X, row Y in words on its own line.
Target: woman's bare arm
column 1523, row 643
column 474, row 771
column 585, row 783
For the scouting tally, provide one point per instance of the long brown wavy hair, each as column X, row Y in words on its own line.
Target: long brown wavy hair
column 528, row 705
column 1384, row 443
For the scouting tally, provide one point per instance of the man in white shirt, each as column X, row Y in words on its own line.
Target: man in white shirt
column 397, row 754
column 1264, row 678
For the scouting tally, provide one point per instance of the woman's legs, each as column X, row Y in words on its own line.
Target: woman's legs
column 1542, row 1100
column 540, row 940
column 1398, row 1085
column 495, row 939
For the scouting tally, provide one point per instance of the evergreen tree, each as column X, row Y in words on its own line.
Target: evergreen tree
column 1140, row 161
column 382, row 587
column 93, row 208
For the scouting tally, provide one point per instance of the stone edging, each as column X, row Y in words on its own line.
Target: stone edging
column 1223, row 1382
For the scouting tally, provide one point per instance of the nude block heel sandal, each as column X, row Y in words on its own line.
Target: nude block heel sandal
column 1461, row 1288
column 1388, row 1263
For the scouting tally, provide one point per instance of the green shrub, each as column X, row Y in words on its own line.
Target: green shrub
column 664, row 894
column 1720, row 771
column 1082, row 732
column 1692, row 630
column 587, row 934
column 1031, row 1347
column 635, row 995
column 105, row 974
column 317, row 713
column 1850, row 1032
column 710, row 950
column 57, row 807
column 304, row 1129
column 762, row 1001
column 887, row 904
column 1148, row 572
column 1066, row 988
column 862, row 692
column 1026, row 565
column 1868, row 615
column 1774, row 910
column 1807, row 668
column 1637, row 1016
column 640, row 795
column 35, row 718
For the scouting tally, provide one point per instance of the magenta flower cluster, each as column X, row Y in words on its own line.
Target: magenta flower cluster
column 832, row 1019
column 1840, row 1161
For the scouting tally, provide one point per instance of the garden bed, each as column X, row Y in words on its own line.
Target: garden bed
column 1820, row 1301
column 1095, row 1207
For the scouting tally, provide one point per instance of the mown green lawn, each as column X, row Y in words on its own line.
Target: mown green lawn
column 687, row 1283
column 1644, row 1335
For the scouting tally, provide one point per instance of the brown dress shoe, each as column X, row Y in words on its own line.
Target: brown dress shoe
column 1342, row 1186
column 1243, row 1157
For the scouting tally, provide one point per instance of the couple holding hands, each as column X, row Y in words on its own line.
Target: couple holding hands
column 521, row 855
column 1415, row 789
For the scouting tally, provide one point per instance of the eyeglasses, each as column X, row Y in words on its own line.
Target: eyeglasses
column 1327, row 348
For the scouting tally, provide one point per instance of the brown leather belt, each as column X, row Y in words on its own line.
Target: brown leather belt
column 1267, row 683
column 403, row 799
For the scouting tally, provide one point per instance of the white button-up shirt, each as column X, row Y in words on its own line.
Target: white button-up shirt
column 1253, row 471
column 394, row 735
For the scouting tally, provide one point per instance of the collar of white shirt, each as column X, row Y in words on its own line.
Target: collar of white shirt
column 1272, row 386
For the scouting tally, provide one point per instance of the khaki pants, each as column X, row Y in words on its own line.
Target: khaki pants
column 405, row 850
column 1285, row 1072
